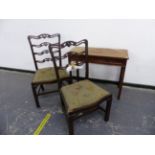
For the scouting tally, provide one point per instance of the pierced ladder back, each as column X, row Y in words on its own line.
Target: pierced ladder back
column 82, row 61
column 37, row 43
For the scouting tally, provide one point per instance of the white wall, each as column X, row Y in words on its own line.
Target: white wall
column 138, row 36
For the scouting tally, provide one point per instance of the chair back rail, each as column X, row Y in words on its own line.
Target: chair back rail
column 34, row 46
column 52, row 49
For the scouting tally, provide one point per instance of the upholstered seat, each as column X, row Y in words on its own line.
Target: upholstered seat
column 81, row 95
column 47, row 75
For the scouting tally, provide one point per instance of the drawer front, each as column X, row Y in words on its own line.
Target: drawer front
column 99, row 60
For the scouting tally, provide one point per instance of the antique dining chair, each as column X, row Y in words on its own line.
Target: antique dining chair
column 45, row 72
column 82, row 97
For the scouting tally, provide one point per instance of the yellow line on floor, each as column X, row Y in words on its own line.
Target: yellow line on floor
column 42, row 124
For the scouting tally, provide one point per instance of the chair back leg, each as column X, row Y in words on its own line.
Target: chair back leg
column 42, row 87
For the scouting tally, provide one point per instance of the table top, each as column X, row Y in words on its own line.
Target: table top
column 104, row 52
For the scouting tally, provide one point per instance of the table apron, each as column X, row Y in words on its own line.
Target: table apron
column 101, row 60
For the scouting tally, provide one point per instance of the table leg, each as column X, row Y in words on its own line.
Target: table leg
column 121, row 79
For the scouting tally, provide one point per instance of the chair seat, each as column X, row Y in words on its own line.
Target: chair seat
column 81, row 95
column 47, row 75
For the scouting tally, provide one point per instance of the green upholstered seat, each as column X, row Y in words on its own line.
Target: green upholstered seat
column 48, row 75
column 81, row 95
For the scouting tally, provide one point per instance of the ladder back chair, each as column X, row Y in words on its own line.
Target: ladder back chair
column 41, row 55
column 84, row 96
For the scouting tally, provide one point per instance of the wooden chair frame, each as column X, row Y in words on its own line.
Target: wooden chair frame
column 70, row 117
column 36, row 88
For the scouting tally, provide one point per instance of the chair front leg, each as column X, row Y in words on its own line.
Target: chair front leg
column 68, row 117
column 35, row 95
column 70, row 126
column 108, row 107
column 42, row 87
